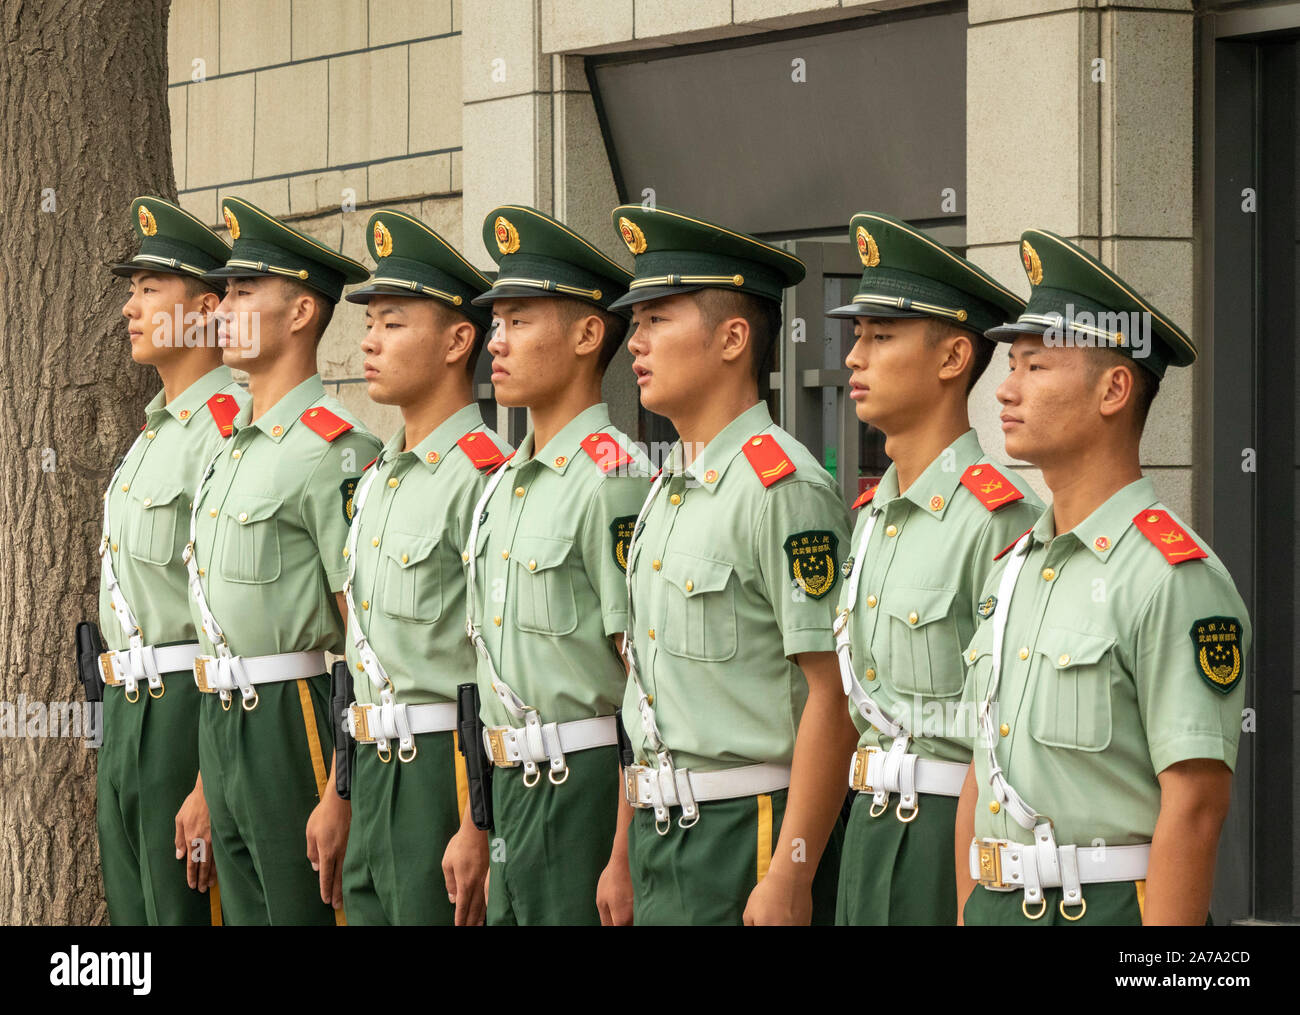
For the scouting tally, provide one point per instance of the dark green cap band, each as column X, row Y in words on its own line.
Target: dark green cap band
column 172, row 241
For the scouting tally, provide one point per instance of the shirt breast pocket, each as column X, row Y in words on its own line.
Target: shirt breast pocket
column 156, row 512
column 252, row 540
column 924, row 653
column 1071, row 682
column 412, row 577
column 542, row 583
column 700, row 612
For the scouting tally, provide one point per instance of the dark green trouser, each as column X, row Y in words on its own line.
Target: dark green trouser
column 899, row 873
column 704, row 874
column 403, row 816
column 262, row 775
column 147, row 767
column 1109, row 904
column 551, row 843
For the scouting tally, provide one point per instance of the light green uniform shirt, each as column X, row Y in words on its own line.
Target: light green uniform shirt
column 409, row 585
column 717, row 612
column 918, row 592
column 149, row 511
column 272, row 523
column 1102, row 684
column 550, row 582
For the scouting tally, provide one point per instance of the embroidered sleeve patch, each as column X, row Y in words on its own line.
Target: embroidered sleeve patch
column 620, row 530
column 1217, row 642
column 813, row 557
column 348, row 489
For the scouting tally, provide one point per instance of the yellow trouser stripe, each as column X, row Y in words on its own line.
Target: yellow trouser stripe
column 317, row 759
column 764, row 834
column 1141, row 887
column 462, row 775
column 214, row 903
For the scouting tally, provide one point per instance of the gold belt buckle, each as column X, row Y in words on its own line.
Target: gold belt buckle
column 629, row 785
column 361, row 725
column 497, row 747
column 991, row 862
column 106, row 669
column 860, row 758
column 200, row 675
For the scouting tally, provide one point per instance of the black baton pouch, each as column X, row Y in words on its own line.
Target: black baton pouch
column 90, row 645
column 625, row 753
column 341, row 695
column 469, row 730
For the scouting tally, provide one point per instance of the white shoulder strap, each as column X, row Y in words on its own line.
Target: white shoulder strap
column 116, row 597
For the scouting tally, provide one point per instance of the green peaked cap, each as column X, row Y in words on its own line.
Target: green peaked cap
column 266, row 246
column 413, row 260
column 676, row 253
column 172, row 241
column 907, row 273
column 1077, row 300
column 541, row 256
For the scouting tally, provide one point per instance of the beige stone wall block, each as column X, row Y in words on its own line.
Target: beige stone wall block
column 442, row 215
column 254, row 33
column 584, row 185
column 176, row 110
column 272, row 196
column 1023, row 127
column 192, row 33
column 321, row 27
column 499, row 51
column 1174, row 488
column 984, row 11
column 219, row 131
column 857, row 8
column 1148, row 124
column 569, row 27
column 326, row 191
column 673, row 17
column 569, row 74
column 435, row 81
column 399, row 20
column 406, row 178
column 786, row 13
column 367, row 106
column 502, row 139
column 202, row 204
column 382, row 420
column 456, row 184
column 292, row 123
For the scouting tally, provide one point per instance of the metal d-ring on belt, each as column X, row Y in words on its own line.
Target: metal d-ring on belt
column 535, row 741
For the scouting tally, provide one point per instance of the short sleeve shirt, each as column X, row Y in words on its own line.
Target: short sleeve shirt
column 271, row 523
column 730, row 580
column 931, row 550
column 1116, row 664
column 551, row 589
column 149, row 510
column 409, row 584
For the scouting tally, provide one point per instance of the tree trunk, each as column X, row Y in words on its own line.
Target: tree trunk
column 84, row 129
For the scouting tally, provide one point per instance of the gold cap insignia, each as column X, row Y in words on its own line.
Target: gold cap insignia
column 147, row 224
column 507, row 235
column 383, row 240
column 867, row 249
column 1033, row 266
column 232, row 223
column 632, row 235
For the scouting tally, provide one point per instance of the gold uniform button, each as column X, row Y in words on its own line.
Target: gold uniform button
column 675, row 499
column 976, row 472
column 519, row 491
column 971, row 655
column 1064, row 660
column 202, row 573
column 345, row 553
column 912, row 618
column 1004, row 729
column 1153, row 519
column 465, row 557
column 1024, row 652
column 212, row 512
column 125, row 487
column 392, row 483
column 243, row 516
column 148, row 501
column 657, row 564
column 505, row 555
column 497, row 621
column 365, row 604
column 115, row 548
column 236, row 453
column 649, row 700
column 375, row 541
column 1048, row 574
column 532, row 565
column 870, row 674
column 994, row 806
column 891, row 530
column 151, row 434
column 871, row 601
column 405, row 559
column 756, row 441
column 690, row 585
column 652, row 634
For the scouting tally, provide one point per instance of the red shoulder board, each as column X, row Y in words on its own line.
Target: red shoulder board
column 224, row 409
column 768, row 459
column 1007, row 549
column 605, row 451
column 864, row 498
column 324, row 423
column 990, row 487
column 502, row 462
column 371, row 462
column 480, row 450
column 1167, row 535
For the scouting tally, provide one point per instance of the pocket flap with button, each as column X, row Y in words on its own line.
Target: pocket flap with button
column 406, row 550
column 151, row 498
column 540, row 553
column 925, row 605
column 1071, row 690
column 1065, row 649
column 693, row 576
column 247, row 509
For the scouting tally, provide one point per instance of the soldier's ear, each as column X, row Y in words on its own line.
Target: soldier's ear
column 208, row 304
column 1118, row 388
column 735, row 336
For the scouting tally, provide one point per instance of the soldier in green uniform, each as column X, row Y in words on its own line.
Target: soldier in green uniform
column 1109, row 673
column 267, row 529
column 546, row 552
column 734, row 710
column 923, row 545
column 150, row 802
column 406, row 590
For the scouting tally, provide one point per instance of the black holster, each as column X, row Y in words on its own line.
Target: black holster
column 469, row 730
column 345, row 748
column 90, row 645
column 625, row 753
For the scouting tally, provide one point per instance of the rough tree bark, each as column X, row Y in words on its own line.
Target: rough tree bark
column 84, row 129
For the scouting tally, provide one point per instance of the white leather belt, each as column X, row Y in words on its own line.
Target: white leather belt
column 1004, row 866
column 378, row 724
column 223, row 674
column 536, row 742
column 882, row 772
column 665, row 787
column 125, row 667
